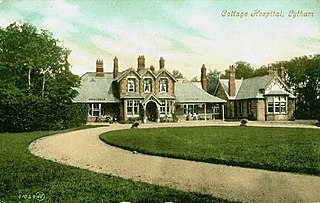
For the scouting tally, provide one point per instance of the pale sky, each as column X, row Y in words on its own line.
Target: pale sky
column 186, row 33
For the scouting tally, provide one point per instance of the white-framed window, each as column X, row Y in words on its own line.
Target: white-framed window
column 216, row 109
column 129, row 107
column 169, row 107
column 190, row 109
column 147, row 85
column 133, row 107
column 277, row 104
column 136, row 109
column 94, row 109
column 163, row 107
column 131, row 85
column 163, row 85
column 166, row 107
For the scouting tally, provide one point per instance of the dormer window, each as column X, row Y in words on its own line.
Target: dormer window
column 147, row 85
column 130, row 84
column 163, row 85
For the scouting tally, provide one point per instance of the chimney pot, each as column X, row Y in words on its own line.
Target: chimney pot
column 141, row 63
column 282, row 73
column 270, row 69
column 99, row 68
column 161, row 62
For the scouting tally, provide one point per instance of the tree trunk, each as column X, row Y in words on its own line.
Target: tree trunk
column 29, row 79
column 43, row 84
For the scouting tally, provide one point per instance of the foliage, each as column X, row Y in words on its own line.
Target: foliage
column 36, row 84
column 290, row 149
column 263, row 70
column 243, row 122
column 176, row 119
column 25, row 174
column 213, row 80
column 177, row 74
column 303, row 76
column 135, row 124
column 243, row 70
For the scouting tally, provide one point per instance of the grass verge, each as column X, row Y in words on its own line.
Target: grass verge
column 277, row 149
column 27, row 178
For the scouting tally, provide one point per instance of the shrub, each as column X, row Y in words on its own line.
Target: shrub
column 243, row 122
column 135, row 124
column 174, row 118
column 31, row 113
column 318, row 118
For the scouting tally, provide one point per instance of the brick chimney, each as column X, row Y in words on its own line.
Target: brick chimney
column 141, row 63
column 204, row 82
column 270, row 69
column 232, row 81
column 99, row 68
column 282, row 73
column 161, row 62
column 115, row 67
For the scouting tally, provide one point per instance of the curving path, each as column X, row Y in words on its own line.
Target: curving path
column 85, row 150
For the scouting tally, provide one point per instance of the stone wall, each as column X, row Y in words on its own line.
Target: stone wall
column 291, row 109
column 260, row 110
column 123, row 87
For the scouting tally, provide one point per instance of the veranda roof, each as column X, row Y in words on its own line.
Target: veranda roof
column 186, row 92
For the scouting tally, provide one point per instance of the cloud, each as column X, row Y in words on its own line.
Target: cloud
column 4, row 22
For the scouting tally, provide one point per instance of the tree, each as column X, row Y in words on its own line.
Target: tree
column 36, row 84
column 177, row 74
column 213, row 80
column 304, row 78
column 263, row 70
column 243, row 70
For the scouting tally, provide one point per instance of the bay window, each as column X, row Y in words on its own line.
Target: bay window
column 277, row 104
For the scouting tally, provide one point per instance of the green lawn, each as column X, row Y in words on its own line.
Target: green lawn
column 23, row 176
column 278, row 149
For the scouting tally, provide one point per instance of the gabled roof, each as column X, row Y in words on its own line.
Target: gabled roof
column 96, row 89
column 253, row 88
column 225, row 85
column 144, row 71
column 161, row 70
column 151, row 97
column 125, row 73
column 186, row 92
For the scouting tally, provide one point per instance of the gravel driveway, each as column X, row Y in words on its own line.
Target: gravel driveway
column 85, row 150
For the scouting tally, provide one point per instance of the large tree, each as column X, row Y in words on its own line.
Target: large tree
column 36, row 84
column 303, row 76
